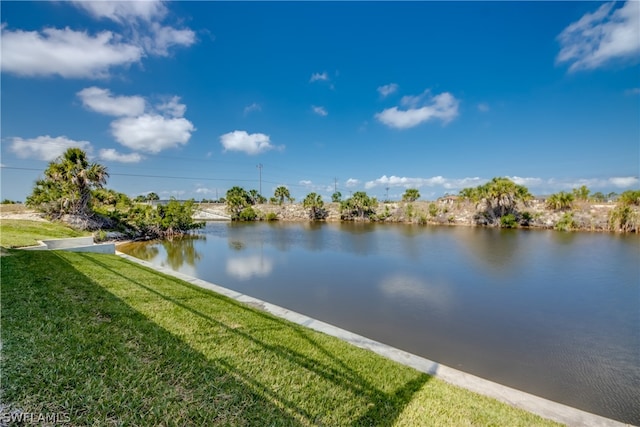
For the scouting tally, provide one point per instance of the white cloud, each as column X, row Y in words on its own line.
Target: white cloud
column 442, row 107
column 527, row 182
column 352, row 182
column 110, row 154
column 624, row 181
column 632, row 91
column 416, row 182
column 247, row 267
column 101, row 101
column 45, row 147
column 152, row 133
column 240, row 140
column 305, row 182
column 608, row 34
column 483, row 107
column 143, row 18
column 319, row 77
column 173, row 108
column 161, row 38
column 387, row 90
column 124, row 11
column 321, row 111
column 148, row 132
column 253, row 107
column 67, row 53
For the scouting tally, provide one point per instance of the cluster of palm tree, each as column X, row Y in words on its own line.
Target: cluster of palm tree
column 498, row 197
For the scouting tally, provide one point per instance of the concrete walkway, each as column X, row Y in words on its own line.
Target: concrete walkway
column 519, row 399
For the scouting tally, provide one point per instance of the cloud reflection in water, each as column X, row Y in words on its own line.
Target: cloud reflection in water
column 244, row 268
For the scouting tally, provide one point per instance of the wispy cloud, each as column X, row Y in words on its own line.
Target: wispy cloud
column 321, row 111
column 420, row 109
column 240, row 140
column 319, row 77
column 352, row 182
column 251, row 108
column 483, row 107
column 599, row 38
column 387, row 90
column 124, row 11
column 632, row 91
column 319, row 188
column 143, row 21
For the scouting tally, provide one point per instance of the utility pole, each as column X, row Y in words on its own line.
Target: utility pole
column 387, row 198
column 260, row 168
column 335, row 185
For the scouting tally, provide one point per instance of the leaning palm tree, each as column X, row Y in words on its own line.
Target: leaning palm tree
column 68, row 183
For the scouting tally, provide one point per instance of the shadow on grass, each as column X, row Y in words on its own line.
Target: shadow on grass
column 72, row 347
column 280, row 342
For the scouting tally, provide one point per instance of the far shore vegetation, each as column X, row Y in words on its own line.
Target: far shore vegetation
column 73, row 190
column 104, row 341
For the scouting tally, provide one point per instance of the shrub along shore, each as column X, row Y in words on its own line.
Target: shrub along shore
column 99, row 340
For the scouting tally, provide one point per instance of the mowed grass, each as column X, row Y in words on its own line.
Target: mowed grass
column 109, row 342
column 16, row 233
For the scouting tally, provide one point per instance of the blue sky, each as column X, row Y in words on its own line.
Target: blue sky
column 186, row 99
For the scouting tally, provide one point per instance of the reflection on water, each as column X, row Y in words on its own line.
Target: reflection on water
column 244, row 268
column 552, row 313
column 175, row 252
column 436, row 295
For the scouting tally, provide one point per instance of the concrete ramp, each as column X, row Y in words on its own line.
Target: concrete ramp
column 74, row 244
column 211, row 215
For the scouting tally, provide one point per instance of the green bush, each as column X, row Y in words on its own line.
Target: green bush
column 433, row 209
column 566, row 223
column 271, row 216
column 248, row 214
column 508, row 221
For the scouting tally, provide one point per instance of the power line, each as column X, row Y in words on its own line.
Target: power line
column 149, row 176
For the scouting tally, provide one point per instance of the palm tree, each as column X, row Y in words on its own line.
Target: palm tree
column 560, row 201
column 282, row 193
column 69, row 182
column 237, row 200
column 500, row 197
column 314, row 202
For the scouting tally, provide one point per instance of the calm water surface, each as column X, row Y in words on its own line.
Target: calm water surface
column 551, row 313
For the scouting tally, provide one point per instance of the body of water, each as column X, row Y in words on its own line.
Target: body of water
column 551, row 313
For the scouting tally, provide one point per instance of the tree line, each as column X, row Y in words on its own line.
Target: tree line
column 73, row 186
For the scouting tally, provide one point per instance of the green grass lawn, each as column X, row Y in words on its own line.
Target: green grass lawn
column 109, row 342
column 15, row 233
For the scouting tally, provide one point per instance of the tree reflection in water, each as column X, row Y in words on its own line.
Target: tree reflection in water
column 142, row 250
column 182, row 250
